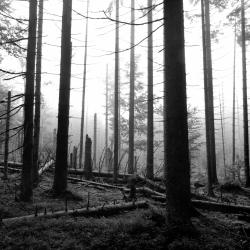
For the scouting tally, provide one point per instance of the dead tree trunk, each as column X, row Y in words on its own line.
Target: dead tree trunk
column 150, row 134
column 88, row 159
column 7, row 132
column 245, row 107
column 176, row 153
column 132, row 93
column 38, row 95
column 116, row 94
column 83, row 90
column 106, row 124
column 26, row 180
column 61, row 165
column 95, row 141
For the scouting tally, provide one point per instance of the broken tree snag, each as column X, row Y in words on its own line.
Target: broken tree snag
column 88, row 159
column 86, row 212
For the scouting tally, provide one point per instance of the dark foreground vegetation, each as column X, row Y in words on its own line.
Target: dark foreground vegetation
column 137, row 229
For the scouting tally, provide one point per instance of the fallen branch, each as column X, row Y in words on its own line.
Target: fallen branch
column 45, row 167
column 86, row 212
column 96, row 183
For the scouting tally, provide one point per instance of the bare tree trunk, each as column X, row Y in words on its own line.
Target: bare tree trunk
column 245, row 107
column 60, row 177
column 95, row 141
column 7, row 132
column 106, row 123
column 234, row 76
column 116, row 93
column 150, row 134
column 222, row 134
column 210, row 98
column 83, row 90
column 132, row 93
column 176, row 153
column 209, row 174
column 26, row 180
column 38, row 96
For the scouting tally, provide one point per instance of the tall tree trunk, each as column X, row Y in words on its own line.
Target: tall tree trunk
column 222, row 132
column 116, row 94
column 234, row 76
column 83, row 90
column 95, row 141
column 150, row 133
column 176, row 153
column 38, row 95
column 106, row 123
column 61, row 166
column 245, row 107
column 7, row 132
column 210, row 98
column 132, row 92
column 209, row 175
column 26, row 180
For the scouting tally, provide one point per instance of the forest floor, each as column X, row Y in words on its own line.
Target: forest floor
column 137, row 229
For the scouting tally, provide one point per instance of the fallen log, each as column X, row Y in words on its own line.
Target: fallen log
column 103, row 210
column 145, row 191
column 45, row 167
column 12, row 164
column 96, row 183
column 12, row 169
column 213, row 206
column 155, row 186
column 105, row 174
column 98, row 174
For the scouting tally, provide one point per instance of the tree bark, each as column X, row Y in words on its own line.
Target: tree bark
column 60, row 177
column 26, row 179
column 176, row 153
column 245, row 105
column 150, row 133
column 38, row 96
